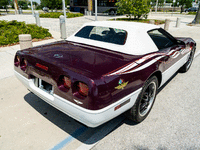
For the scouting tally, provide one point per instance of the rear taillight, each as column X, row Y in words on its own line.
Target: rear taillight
column 67, row 82
column 17, row 61
column 23, row 64
column 191, row 47
column 79, row 89
column 83, row 89
column 64, row 83
column 20, row 62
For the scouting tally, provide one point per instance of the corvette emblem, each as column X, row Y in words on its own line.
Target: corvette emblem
column 58, row 56
column 121, row 85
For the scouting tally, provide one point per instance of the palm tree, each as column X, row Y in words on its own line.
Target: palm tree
column 197, row 17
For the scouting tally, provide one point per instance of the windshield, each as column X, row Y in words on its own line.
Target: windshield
column 105, row 34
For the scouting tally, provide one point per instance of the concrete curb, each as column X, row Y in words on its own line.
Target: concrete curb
column 17, row 46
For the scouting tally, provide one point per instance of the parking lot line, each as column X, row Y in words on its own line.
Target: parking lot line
column 94, row 139
column 69, row 139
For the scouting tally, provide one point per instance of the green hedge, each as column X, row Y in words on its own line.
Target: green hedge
column 9, row 31
column 157, row 22
column 57, row 15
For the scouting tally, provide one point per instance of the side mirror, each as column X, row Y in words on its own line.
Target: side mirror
column 180, row 42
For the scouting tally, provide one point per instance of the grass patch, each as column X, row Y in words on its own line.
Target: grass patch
column 13, row 12
column 9, row 31
column 157, row 22
column 192, row 13
column 57, row 15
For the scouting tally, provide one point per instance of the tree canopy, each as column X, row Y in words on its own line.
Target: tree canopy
column 22, row 4
column 52, row 4
column 136, row 8
column 184, row 4
column 4, row 3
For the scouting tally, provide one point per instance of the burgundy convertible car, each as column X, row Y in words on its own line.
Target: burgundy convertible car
column 105, row 69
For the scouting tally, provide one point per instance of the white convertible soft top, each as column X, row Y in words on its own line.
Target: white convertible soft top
column 138, row 41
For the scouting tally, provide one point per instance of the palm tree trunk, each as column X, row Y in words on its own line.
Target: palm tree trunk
column 197, row 17
column 182, row 8
column 6, row 9
column 16, row 7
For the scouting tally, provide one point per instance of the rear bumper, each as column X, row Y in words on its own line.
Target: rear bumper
column 91, row 118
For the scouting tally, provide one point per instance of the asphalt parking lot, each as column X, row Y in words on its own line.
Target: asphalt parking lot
column 27, row 122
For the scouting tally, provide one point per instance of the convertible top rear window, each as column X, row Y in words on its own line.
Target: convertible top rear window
column 105, row 34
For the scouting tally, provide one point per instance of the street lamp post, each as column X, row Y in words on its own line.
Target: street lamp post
column 32, row 7
column 63, row 1
column 156, row 6
column 95, row 10
column 173, row 6
column 151, row 8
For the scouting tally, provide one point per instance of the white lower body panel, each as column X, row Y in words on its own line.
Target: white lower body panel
column 91, row 118
column 169, row 72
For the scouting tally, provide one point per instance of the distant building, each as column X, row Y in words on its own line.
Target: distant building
column 103, row 6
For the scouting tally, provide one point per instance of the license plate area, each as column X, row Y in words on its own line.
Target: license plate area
column 43, row 85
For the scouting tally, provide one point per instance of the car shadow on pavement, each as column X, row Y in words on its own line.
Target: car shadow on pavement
column 74, row 128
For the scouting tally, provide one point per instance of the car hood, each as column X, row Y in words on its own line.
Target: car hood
column 79, row 57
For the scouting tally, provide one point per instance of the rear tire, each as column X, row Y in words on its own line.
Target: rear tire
column 188, row 64
column 144, row 102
